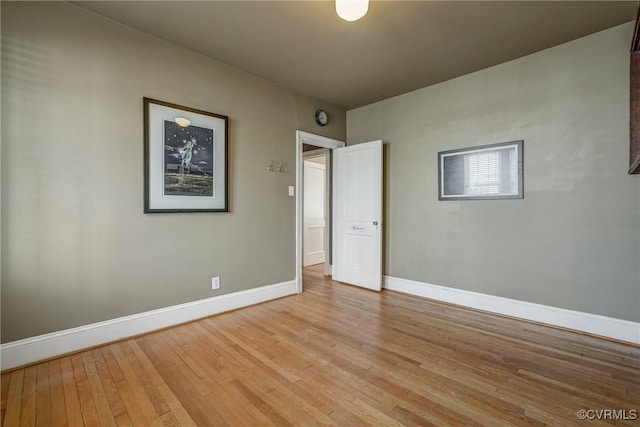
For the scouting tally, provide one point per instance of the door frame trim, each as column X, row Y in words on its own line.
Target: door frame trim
column 318, row 141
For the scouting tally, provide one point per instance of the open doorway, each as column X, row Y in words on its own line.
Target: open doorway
column 356, row 210
column 309, row 148
column 316, row 214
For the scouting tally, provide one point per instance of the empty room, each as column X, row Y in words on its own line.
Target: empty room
column 331, row 212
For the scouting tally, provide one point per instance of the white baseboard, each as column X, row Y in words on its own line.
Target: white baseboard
column 610, row 327
column 29, row 350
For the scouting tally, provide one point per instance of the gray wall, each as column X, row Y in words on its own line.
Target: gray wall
column 574, row 240
column 76, row 247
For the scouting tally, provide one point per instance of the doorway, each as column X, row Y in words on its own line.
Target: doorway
column 356, row 195
column 316, row 215
column 302, row 139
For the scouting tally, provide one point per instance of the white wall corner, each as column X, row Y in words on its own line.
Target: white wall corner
column 595, row 324
column 30, row 350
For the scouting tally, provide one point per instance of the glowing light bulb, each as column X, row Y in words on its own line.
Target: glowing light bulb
column 352, row 10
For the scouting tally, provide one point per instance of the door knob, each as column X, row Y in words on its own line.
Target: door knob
column 375, row 222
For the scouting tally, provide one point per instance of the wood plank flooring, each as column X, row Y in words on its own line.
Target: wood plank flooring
column 335, row 355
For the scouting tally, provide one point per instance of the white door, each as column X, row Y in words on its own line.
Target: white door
column 314, row 213
column 357, row 255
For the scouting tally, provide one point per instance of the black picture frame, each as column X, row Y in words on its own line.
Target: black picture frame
column 186, row 159
column 485, row 172
column 634, row 101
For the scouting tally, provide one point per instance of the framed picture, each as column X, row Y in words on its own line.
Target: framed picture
column 185, row 159
column 634, row 97
column 485, row 172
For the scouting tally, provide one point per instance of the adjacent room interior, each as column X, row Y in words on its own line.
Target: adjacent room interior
column 260, row 213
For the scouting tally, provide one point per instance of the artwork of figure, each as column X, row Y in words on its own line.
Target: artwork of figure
column 185, row 154
column 188, row 160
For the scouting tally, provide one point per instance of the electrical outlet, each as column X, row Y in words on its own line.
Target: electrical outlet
column 215, row 283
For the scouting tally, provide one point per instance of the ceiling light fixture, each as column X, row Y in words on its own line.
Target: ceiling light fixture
column 181, row 121
column 352, row 10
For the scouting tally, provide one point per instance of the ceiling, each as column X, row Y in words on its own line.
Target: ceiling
column 397, row 47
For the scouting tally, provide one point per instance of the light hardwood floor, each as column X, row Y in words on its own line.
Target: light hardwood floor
column 335, row 355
